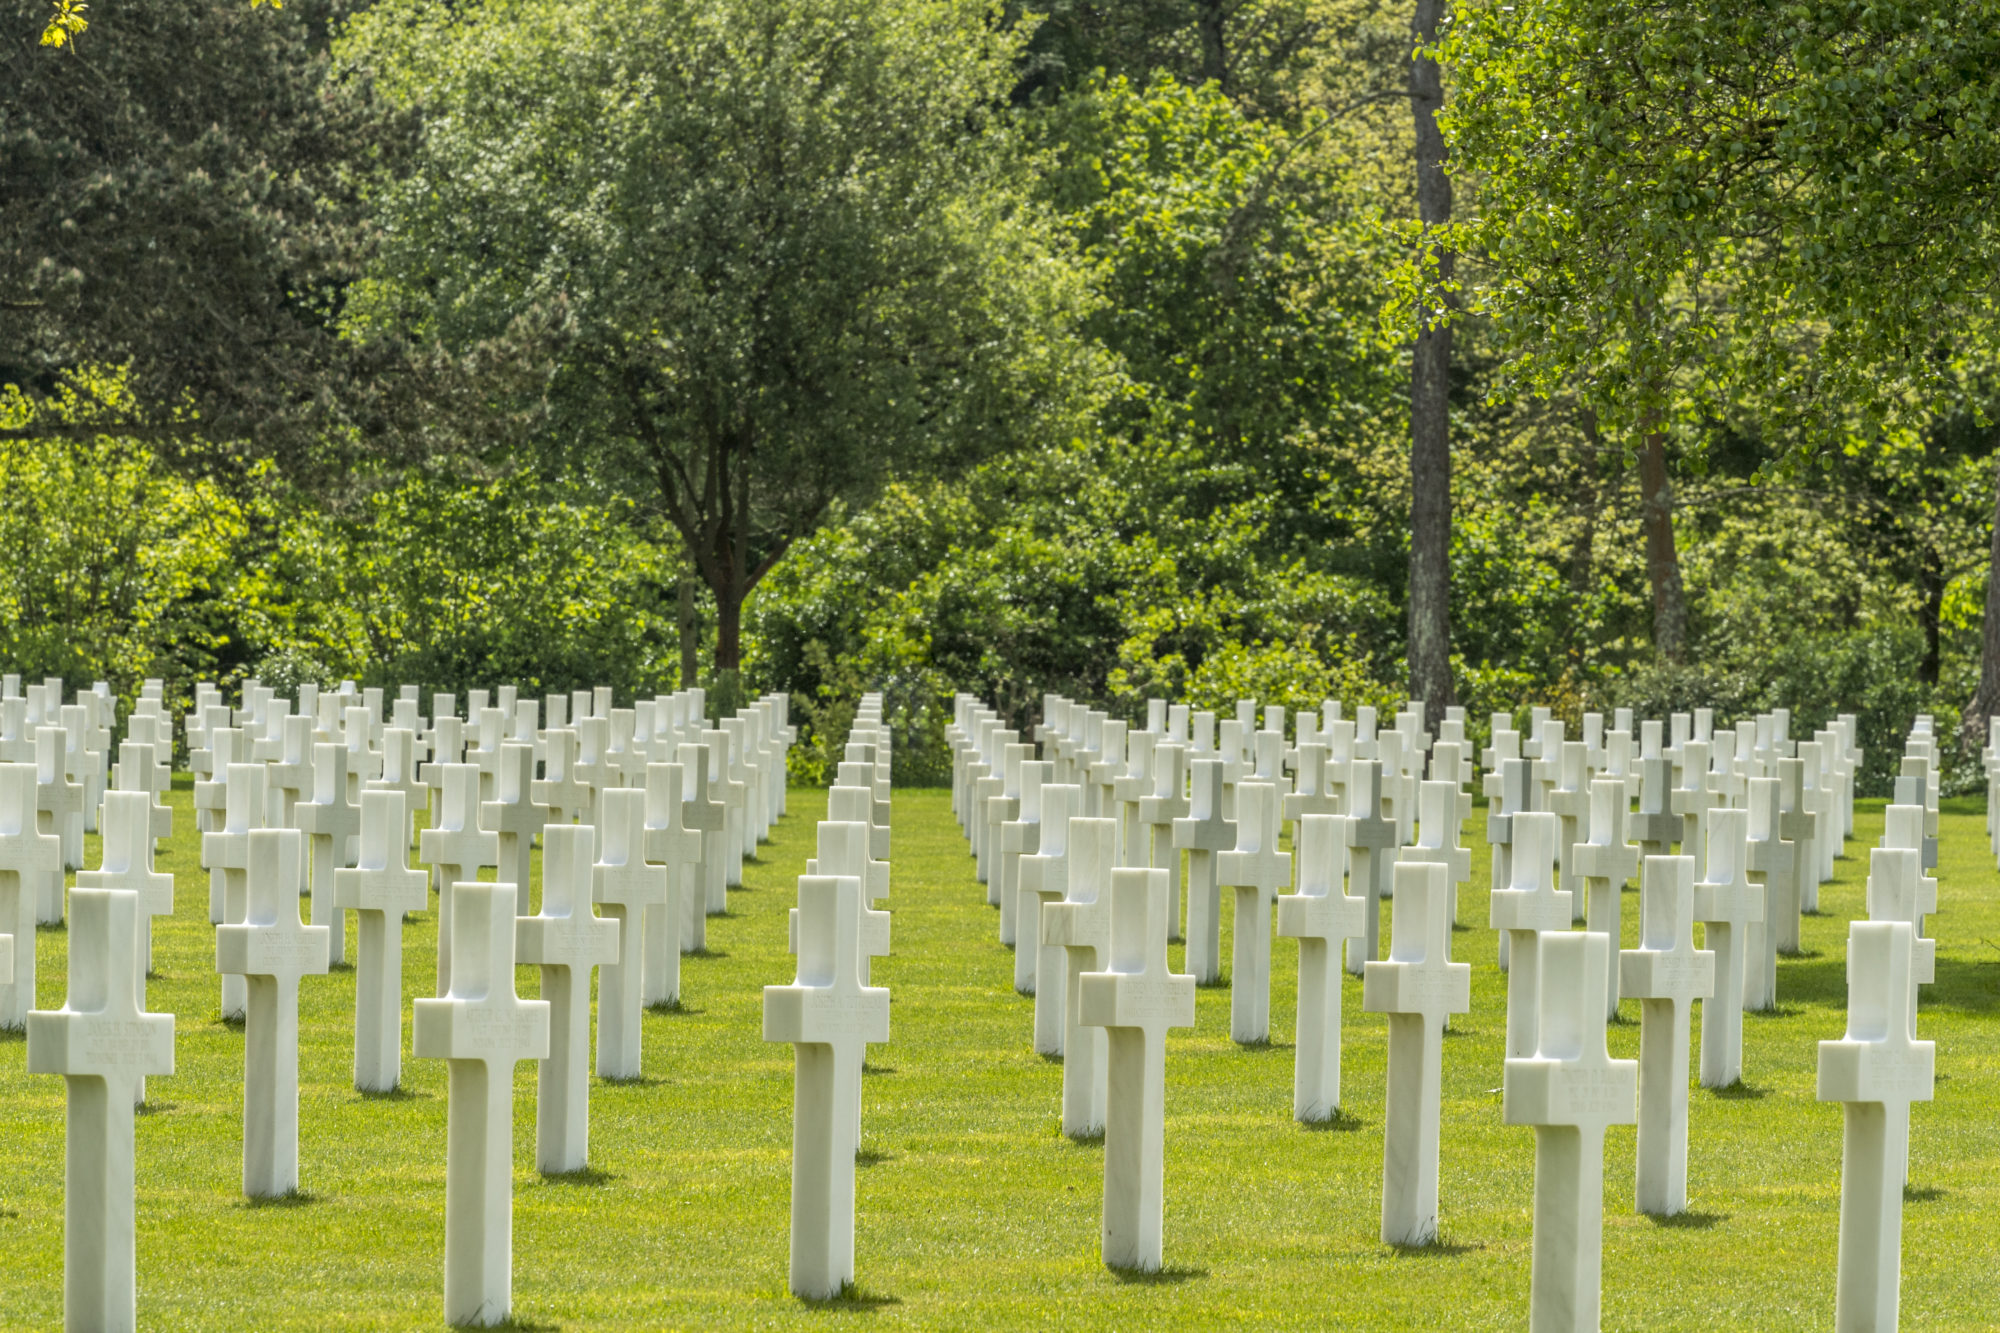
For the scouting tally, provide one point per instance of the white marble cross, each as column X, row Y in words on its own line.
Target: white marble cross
column 1158, row 812
column 1043, row 877
column 1373, row 843
column 627, row 886
column 566, row 940
column 332, row 825
column 27, row 858
column 1570, row 1090
column 1898, row 890
column 60, row 805
column 512, row 814
column 481, row 1029
column 706, row 810
column 484, row 752
column 1769, row 856
column 1322, row 917
column 1508, row 788
column 1201, row 833
column 843, row 850
column 1527, row 907
column 1603, row 863
column 1136, row 998
column 676, row 848
column 830, row 1018
column 456, row 847
column 127, row 863
column 1666, row 974
column 1020, row 835
column 1569, row 801
column 270, row 949
column 1419, row 988
column 1876, row 1070
column 226, row 852
column 1129, row 788
column 1258, row 872
column 1002, row 807
column 379, row 889
column 1725, row 901
column 104, row 1043
column 1438, row 828
column 399, row 774
column 1078, row 930
column 1692, row 800
column 727, row 780
column 568, row 800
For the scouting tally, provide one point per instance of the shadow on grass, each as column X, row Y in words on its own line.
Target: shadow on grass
column 1923, row 1193
column 234, row 1024
column 1217, row 983
column 867, row 1068
column 588, row 1176
column 1775, row 1011
column 1094, row 1139
column 399, row 1093
column 1171, row 1276
column 151, row 1107
column 514, row 1324
column 1461, row 1030
column 629, row 1081
column 873, row 1157
column 706, row 952
column 852, row 1296
column 1807, row 954
column 289, row 1199
column 1263, row 1044
column 1341, row 1121
column 1441, row 1247
column 1687, row 1221
column 340, row 967
column 672, row 1007
column 151, row 975
column 52, row 927
column 12, row 1035
column 1739, row 1091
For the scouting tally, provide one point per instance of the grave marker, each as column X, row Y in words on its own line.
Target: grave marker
column 1725, row 901
column 1201, row 833
column 676, row 848
column 1666, row 974
column 270, row 950
column 332, row 825
column 566, row 940
column 512, row 814
column 1136, row 999
column 1078, row 929
column 1258, row 872
column 379, row 889
column 1603, row 864
column 1527, row 908
column 1322, row 917
column 627, row 887
column 1419, row 988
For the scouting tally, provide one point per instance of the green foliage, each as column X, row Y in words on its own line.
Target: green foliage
column 1692, row 208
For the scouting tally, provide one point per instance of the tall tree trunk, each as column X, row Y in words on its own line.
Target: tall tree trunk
column 728, row 632
column 1208, row 21
column 690, row 628
column 1986, row 699
column 1663, row 561
column 1430, row 406
column 1930, row 612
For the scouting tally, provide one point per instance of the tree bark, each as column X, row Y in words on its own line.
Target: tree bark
column 1210, row 15
column 1663, row 561
column 690, row 627
column 1986, row 699
column 1430, row 405
column 1930, row 612
column 728, row 633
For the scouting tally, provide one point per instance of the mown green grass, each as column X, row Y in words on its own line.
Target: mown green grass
column 974, row 1210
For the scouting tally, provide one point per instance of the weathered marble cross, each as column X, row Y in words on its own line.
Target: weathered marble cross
column 1725, row 901
column 332, row 825
column 1438, row 826
column 676, row 848
column 1769, row 857
column 481, row 1029
column 1876, row 1071
column 226, row 853
column 1258, row 872
column 126, row 862
column 1201, row 833
column 1666, row 974
column 1158, row 811
column 457, row 849
column 380, row 888
column 627, row 886
column 565, row 939
column 1603, row 863
column 1898, row 890
column 1570, row 1090
column 27, row 858
column 1529, row 906
column 512, row 814
column 1419, row 988
column 104, row 1043
column 705, row 809
column 1044, row 877
column 1322, row 917
column 1136, row 999
column 1020, row 836
column 830, row 1018
column 1373, row 844
column 1078, row 931
column 270, row 950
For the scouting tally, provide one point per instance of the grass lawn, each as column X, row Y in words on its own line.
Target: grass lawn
column 974, row 1210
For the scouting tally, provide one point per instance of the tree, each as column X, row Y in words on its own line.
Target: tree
column 745, row 259
column 179, row 200
column 1691, row 208
column 1430, row 397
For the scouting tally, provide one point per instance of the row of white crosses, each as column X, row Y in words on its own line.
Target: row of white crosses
column 263, row 949
column 69, row 746
column 830, row 1013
